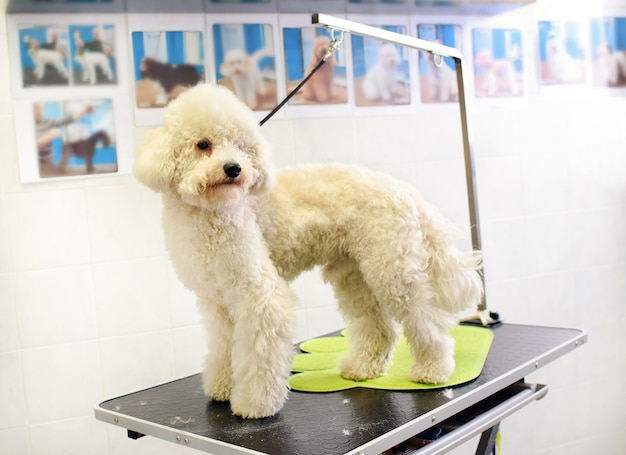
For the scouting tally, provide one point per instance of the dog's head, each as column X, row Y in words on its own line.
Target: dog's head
column 320, row 47
column 236, row 62
column 388, row 56
column 209, row 150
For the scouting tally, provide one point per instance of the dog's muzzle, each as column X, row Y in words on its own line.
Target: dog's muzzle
column 232, row 170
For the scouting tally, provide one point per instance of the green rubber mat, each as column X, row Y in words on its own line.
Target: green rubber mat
column 317, row 370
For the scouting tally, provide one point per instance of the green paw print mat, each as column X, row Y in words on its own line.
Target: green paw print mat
column 317, row 370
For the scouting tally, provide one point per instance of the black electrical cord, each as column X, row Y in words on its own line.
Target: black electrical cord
column 293, row 92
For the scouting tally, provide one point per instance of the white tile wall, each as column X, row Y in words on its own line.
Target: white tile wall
column 9, row 338
column 15, row 440
column 118, row 216
column 72, row 436
column 5, row 251
column 91, row 308
column 5, row 101
column 131, row 296
column 13, row 411
column 47, row 229
column 137, row 361
column 61, row 381
column 48, row 296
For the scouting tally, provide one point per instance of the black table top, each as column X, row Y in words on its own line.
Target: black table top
column 353, row 421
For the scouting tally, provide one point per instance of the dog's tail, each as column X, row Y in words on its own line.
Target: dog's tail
column 103, row 137
column 456, row 274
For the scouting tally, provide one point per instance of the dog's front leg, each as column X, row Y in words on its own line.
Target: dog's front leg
column 217, row 374
column 262, row 346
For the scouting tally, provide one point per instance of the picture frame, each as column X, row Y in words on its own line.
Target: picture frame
column 327, row 93
column 79, row 52
column 244, row 57
column 608, row 49
column 73, row 137
column 498, row 60
column 562, row 53
column 383, row 73
column 167, row 58
column 437, row 80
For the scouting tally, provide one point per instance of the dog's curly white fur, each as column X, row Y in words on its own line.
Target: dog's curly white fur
column 237, row 233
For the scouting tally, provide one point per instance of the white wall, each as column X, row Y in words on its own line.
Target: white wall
column 90, row 307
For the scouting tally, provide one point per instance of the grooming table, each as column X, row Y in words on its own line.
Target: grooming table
column 355, row 421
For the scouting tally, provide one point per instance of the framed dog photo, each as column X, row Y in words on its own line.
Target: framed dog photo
column 498, row 62
column 327, row 92
column 438, row 82
column 244, row 58
column 48, row 52
column 608, row 47
column 304, row 48
column 167, row 59
column 382, row 75
column 44, row 55
column 93, row 47
column 71, row 138
column 165, row 64
column 562, row 53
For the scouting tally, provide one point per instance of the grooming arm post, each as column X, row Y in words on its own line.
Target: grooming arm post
column 439, row 51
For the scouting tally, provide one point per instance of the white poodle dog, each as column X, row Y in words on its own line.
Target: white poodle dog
column 49, row 54
column 381, row 80
column 237, row 234
column 563, row 68
column 244, row 72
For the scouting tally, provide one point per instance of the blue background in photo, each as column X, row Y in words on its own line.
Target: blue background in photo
column 568, row 32
column 446, row 33
column 248, row 37
column 86, row 35
column 296, row 48
column 611, row 31
column 174, row 50
column 496, row 41
column 102, row 115
column 41, row 35
column 365, row 52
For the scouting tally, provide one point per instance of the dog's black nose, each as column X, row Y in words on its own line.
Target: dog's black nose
column 232, row 170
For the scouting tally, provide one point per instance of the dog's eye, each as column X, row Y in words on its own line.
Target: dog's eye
column 204, row 145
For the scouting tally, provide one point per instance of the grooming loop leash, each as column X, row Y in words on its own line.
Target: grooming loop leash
column 332, row 47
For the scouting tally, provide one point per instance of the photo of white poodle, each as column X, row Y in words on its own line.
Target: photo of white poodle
column 44, row 56
column 381, row 80
column 498, row 62
column 244, row 72
column 561, row 53
column 238, row 232
column 381, row 71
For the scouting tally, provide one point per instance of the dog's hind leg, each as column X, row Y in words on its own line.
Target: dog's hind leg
column 371, row 331
column 217, row 374
column 427, row 330
column 408, row 293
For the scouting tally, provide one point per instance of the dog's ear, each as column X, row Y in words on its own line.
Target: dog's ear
column 154, row 166
column 262, row 163
column 224, row 69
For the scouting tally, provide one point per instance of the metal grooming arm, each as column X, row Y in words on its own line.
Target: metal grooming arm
column 439, row 51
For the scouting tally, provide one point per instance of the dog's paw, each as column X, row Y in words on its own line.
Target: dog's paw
column 252, row 403
column 432, row 372
column 359, row 370
column 218, row 391
column 218, row 395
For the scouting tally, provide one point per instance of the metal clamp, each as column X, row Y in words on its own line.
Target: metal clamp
column 437, row 60
column 334, row 42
